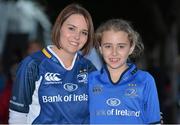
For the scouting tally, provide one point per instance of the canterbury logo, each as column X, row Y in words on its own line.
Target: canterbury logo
column 52, row 76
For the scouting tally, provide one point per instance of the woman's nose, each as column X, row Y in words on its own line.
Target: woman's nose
column 77, row 36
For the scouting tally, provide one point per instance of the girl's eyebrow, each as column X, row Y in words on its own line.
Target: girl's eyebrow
column 117, row 43
column 122, row 43
column 106, row 43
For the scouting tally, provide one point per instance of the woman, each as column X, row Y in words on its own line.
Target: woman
column 51, row 85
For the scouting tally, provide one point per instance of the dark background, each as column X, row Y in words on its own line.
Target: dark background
column 157, row 21
column 152, row 18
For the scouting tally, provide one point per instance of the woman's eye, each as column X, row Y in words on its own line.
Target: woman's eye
column 71, row 28
column 85, row 33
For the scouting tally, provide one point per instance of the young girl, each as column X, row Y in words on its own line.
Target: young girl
column 120, row 93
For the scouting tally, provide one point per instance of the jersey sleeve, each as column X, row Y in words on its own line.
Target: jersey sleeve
column 23, row 86
column 151, row 105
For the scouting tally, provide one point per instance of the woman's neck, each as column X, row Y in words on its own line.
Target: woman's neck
column 65, row 57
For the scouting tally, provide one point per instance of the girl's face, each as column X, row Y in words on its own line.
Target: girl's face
column 115, row 49
column 73, row 34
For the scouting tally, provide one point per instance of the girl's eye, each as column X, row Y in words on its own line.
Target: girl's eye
column 107, row 46
column 121, row 47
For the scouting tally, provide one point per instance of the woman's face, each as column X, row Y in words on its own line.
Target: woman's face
column 115, row 49
column 73, row 34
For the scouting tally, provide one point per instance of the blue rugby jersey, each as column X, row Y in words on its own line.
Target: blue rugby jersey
column 132, row 100
column 49, row 93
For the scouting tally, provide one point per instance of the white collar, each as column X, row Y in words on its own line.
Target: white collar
column 49, row 47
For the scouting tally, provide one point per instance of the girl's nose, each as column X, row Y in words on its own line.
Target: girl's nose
column 114, row 51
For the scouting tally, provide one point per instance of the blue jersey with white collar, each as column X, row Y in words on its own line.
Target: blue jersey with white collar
column 48, row 92
column 132, row 100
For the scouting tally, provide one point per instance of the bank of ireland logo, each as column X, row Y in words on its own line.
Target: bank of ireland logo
column 52, row 77
column 113, row 102
column 70, row 87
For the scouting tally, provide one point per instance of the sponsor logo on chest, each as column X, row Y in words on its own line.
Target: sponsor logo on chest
column 70, row 95
column 65, row 98
column 114, row 109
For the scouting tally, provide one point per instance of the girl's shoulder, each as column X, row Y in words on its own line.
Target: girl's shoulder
column 144, row 75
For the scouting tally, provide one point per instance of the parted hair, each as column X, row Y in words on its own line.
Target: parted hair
column 69, row 10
